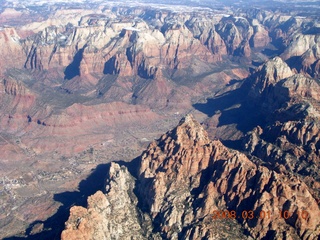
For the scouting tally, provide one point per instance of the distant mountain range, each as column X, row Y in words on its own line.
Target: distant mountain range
column 103, row 101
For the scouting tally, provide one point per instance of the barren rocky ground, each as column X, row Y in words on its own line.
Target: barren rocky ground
column 85, row 84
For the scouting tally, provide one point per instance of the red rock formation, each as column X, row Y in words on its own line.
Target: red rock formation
column 185, row 178
column 236, row 33
column 11, row 50
column 87, row 82
column 289, row 139
column 80, row 120
column 175, row 169
column 260, row 36
column 17, row 102
column 268, row 74
column 111, row 216
column 171, row 41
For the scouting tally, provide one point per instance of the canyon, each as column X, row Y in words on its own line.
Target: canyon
column 87, row 91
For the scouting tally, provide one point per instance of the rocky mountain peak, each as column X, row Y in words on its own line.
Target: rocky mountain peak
column 269, row 74
column 181, row 185
column 85, row 84
column 113, row 215
column 190, row 129
column 275, row 70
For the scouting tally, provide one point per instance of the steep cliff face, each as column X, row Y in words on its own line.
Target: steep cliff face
column 204, row 30
column 11, row 50
column 185, row 181
column 236, row 33
column 111, row 77
column 260, row 36
column 113, row 215
column 303, row 53
column 299, row 39
column 147, row 39
column 286, row 97
column 288, row 141
column 17, row 100
column 268, row 75
column 208, row 176
column 138, row 46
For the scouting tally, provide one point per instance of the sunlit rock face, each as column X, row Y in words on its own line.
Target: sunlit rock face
column 183, row 179
column 85, row 84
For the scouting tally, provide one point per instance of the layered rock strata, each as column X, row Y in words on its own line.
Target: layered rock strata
column 185, row 180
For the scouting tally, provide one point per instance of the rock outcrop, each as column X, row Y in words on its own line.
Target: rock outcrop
column 288, row 139
column 185, row 181
column 267, row 75
column 17, row 101
column 100, row 80
column 10, row 47
column 148, row 39
column 113, row 215
column 236, row 33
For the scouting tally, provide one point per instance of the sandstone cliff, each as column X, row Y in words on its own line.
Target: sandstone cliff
column 147, row 39
column 113, row 215
column 184, row 178
column 100, row 82
column 17, row 101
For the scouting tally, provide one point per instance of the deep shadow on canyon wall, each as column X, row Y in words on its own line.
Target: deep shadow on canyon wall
column 54, row 225
column 87, row 187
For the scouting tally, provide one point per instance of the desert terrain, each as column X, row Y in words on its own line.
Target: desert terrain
column 91, row 100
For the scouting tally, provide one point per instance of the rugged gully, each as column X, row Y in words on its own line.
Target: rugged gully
column 183, row 179
column 87, row 92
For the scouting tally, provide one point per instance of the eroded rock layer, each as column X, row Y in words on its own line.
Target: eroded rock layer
column 83, row 84
column 184, row 180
